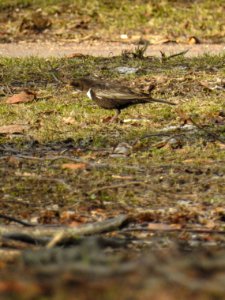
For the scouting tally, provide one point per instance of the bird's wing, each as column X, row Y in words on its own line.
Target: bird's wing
column 118, row 95
column 125, row 98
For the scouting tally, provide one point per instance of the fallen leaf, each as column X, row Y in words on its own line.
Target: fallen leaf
column 162, row 226
column 202, row 161
column 220, row 145
column 106, row 119
column 210, row 224
column 18, row 287
column 193, row 40
column 72, row 218
column 74, row 166
column 9, row 129
column 69, row 120
column 182, row 115
column 14, row 161
column 23, row 97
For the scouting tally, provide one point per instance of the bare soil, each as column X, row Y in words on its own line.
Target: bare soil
column 105, row 49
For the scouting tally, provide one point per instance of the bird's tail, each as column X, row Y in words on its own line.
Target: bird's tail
column 161, row 101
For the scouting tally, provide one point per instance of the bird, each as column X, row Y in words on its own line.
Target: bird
column 111, row 96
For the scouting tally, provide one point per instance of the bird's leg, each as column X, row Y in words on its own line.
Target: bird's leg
column 118, row 111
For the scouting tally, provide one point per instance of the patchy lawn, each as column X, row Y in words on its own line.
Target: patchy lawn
column 164, row 161
column 80, row 20
column 64, row 164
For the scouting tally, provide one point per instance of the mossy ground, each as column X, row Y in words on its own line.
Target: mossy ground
column 65, row 124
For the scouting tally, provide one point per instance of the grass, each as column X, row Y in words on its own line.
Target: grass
column 179, row 183
column 64, row 123
column 153, row 20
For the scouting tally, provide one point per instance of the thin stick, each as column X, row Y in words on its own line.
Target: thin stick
column 12, row 219
column 191, row 230
column 115, row 186
column 213, row 135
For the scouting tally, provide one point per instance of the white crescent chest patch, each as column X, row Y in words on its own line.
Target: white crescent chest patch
column 89, row 94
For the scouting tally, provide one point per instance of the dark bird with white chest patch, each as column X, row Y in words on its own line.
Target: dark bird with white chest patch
column 113, row 96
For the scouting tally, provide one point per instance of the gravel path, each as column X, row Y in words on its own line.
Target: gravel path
column 97, row 48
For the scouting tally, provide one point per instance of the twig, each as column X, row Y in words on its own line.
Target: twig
column 12, row 219
column 178, row 54
column 186, row 118
column 68, row 233
column 44, row 178
column 115, row 186
column 30, row 157
column 164, row 57
column 52, row 159
column 213, row 135
column 191, row 230
column 25, row 238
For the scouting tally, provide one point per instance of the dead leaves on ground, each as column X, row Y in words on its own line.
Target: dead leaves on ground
column 10, row 129
column 185, row 215
column 37, row 22
column 22, row 97
column 74, row 166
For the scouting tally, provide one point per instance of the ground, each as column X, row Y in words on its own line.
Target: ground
column 161, row 167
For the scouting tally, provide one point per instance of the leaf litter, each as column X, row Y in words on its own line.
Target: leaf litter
column 22, row 97
column 170, row 198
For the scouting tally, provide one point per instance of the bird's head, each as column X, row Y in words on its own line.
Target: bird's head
column 83, row 84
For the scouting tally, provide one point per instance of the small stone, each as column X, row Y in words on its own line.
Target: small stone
column 126, row 70
column 124, row 36
column 123, row 149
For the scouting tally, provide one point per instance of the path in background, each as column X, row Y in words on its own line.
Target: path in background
column 23, row 49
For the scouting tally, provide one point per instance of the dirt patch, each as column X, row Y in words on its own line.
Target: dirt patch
column 96, row 48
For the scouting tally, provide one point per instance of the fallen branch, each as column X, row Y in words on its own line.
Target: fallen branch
column 93, row 228
column 60, row 234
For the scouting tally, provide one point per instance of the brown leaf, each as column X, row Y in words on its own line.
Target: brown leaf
column 23, row 97
column 74, row 166
column 183, row 115
column 162, row 226
column 220, row 145
column 192, row 40
column 14, row 161
column 72, row 218
column 9, row 129
column 106, row 119
column 69, row 120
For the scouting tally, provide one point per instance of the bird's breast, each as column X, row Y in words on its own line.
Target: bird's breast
column 89, row 94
